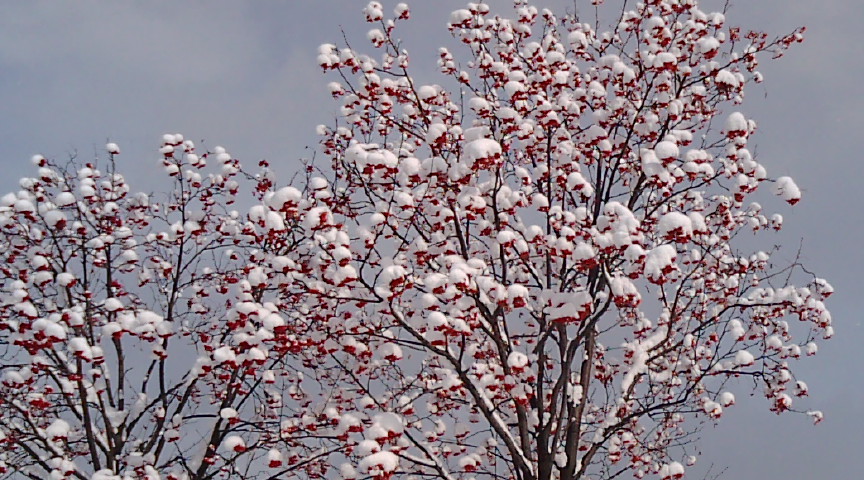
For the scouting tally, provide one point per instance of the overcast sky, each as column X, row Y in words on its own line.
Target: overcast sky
column 243, row 75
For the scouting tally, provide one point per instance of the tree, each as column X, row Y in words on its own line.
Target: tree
column 539, row 267
column 538, row 270
column 137, row 335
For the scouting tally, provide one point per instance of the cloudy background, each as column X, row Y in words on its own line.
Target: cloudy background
column 242, row 74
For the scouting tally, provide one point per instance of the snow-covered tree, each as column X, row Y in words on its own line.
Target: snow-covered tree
column 137, row 334
column 543, row 266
